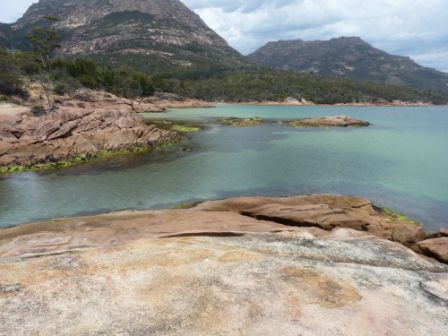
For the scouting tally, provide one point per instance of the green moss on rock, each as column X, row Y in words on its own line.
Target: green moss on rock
column 241, row 122
column 178, row 126
column 185, row 129
column 395, row 215
column 82, row 159
column 186, row 205
column 298, row 124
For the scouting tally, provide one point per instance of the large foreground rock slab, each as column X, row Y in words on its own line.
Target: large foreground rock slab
column 217, row 269
column 289, row 283
column 62, row 235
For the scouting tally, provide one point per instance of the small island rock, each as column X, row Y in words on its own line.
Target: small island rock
column 332, row 121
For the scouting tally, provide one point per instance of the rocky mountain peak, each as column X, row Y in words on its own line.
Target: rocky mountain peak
column 149, row 34
column 349, row 57
column 349, row 39
column 75, row 13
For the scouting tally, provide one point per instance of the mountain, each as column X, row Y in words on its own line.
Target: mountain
column 349, row 57
column 5, row 31
column 148, row 34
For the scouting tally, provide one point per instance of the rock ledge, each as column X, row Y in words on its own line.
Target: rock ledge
column 76, row 129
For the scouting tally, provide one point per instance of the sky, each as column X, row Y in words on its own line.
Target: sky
column 414, row 28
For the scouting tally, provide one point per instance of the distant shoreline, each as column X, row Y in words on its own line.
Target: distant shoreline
column 273, row 103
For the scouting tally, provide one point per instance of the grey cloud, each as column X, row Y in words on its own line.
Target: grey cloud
column 245, row 6
column 415, row 28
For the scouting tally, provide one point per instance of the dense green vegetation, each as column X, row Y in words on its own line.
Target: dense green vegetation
column 231, row 85
column 278, row 85
column 10, row 82
column 71, row 74
column 122, row 81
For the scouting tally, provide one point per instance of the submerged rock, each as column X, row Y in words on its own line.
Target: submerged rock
column 333, row 121
column 241, row 122
column 178, row 126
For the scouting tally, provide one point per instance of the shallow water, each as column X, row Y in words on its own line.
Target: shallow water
column 400, row 162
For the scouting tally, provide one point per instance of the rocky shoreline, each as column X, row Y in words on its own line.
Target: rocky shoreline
column 304, row 102
column 93, row 124
column 263, row 264
column 324, row 212
column 82, row 127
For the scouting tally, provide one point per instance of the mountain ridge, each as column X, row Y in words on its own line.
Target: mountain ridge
column 348, row 57
column 165, row 36
column 128, row 31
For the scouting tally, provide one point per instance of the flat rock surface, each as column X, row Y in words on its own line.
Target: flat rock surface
column 111, row 229
column 258, row 284
column 12, row 109
column 211, row 270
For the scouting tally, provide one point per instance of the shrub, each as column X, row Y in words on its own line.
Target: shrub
column 60, row 89
column 38, row 110
column 10, row 82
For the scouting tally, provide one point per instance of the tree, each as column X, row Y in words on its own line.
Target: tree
column 45, row 41
column 10, row 82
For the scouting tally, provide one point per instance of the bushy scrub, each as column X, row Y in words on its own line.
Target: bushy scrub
column 38, row 110
column 10, row 82
column 121, row 81
column 264, row 85
column 60, row 89
column 244, row 84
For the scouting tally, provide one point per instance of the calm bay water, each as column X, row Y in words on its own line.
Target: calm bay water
column 401, row 162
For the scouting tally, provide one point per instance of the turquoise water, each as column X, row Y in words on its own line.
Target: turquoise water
column 401, row 162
